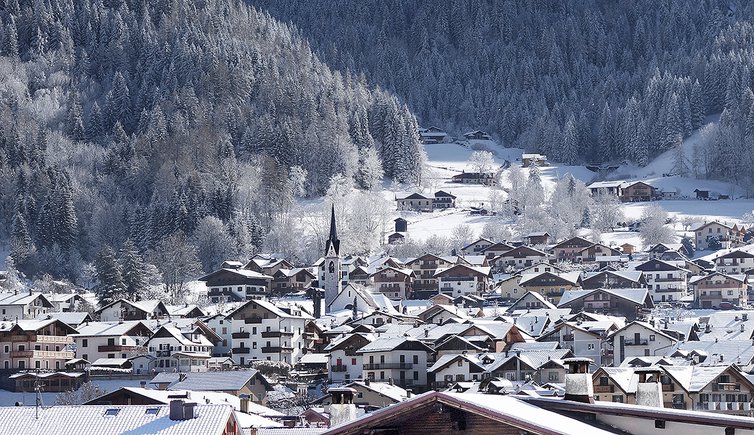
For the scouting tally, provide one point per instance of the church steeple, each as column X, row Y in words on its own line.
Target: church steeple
column 332, row 241
column 331, row 274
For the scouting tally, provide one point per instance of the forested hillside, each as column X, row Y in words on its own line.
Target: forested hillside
column 175, row 125
column 579, row 80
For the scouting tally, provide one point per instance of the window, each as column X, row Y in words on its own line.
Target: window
column 652, row 337
column 152, row 411
column 617, row 398
column 416, row 359
column 84, row 343
column 590, row 346
column 416, row 376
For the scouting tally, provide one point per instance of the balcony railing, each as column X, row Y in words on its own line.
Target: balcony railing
column 56, row 339
column 723, row 406
column 668, row 387
column 41, row 354
column 116, row 348
column 388, row 366
column 241, row 350
column 458, row 278
column 253, row 320
column 568, row 337
column 642, row 342
column 276, row 334
column 336, row 369
column 240, row 335
column 604, row 389
column 667, row 279
column 277, row 349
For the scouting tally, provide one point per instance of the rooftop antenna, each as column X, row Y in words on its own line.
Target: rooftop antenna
column 37, row 393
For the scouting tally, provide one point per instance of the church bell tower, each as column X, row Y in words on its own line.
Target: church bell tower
column 331, row 276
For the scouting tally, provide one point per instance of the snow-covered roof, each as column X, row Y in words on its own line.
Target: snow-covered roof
column 233, row 380
column 392, row 391
column 22, row 298
column 386, row 344
column 605, row 184
column 635, row 295
column 112, row 419
column 314, row 358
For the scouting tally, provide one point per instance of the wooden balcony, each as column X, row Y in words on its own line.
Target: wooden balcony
column 276, row 334
column 42, row 354
column 388, row 366
column 602, row 389
column 241, row 350
column 240, row 335
column 277, row 349
column 116, row 348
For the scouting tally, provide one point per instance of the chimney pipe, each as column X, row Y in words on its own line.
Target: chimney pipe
column 244, row 398
column 181, row 410
column 579, row 386
column 649, row 390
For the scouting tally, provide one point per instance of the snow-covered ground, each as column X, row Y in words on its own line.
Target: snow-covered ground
column 446, row 160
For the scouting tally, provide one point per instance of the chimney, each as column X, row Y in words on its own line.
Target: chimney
column 745, row 317
column 390, row 381
column 342, row 409
column 649, row 389
column 181, row 409
column 707, row 328
column 181, row 377
column 409, row 393
column 743, row 327
column 579, row 386
column 317, row 304
column 143, row 384
column 367, row 381
column 244, row 398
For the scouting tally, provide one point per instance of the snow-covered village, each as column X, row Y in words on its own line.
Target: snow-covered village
column 352, row 217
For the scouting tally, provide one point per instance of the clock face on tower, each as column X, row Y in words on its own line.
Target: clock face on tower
column 332, row 267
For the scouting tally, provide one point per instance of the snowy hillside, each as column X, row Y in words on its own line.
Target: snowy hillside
column 446, row 160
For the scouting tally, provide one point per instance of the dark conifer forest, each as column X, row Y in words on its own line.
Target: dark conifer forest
column 133, row 129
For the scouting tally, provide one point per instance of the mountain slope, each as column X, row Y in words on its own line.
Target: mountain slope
column 132, row 119
column 582, row 81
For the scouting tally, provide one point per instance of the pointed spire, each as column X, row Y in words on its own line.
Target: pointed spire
column 333, row 231
column 333, row 239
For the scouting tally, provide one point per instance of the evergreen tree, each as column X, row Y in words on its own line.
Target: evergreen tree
column 110, row 279
column 133, row 269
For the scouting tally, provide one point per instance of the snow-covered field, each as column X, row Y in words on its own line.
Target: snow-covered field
column 446, row 160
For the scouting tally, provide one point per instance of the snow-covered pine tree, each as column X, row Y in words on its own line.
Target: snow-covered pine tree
column 110, row 280
column 132, row 268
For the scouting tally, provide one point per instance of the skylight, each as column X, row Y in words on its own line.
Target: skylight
column 152, row 411
column 112, row 412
